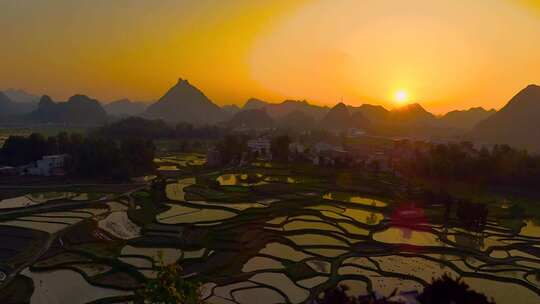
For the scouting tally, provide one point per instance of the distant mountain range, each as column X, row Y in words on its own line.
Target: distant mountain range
column 516, row 124
column 185, row 103
column 280, row 110
column 9, row 108
column 465, row 119
column 125, row 107
column 21, row 96
column 79, row 110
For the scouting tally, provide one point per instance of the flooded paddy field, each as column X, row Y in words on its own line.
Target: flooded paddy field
column 263, row 234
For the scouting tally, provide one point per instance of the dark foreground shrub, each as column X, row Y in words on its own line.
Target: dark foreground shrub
column 444, row 290
column 448, row 291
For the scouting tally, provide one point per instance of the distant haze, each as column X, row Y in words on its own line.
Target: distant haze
column 445, row 54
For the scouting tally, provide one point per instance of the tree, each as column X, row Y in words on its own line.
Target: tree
column 279, row 146
column 170, row 287
column 93, row 156
column 446, row 290
column 231, row 148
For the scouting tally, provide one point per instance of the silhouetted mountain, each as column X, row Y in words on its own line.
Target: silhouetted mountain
column 517, row 123
column 185, row 103
column 125, row 107
column 375, row 114
column 287, row 107
column 251, row 119
column 465, row 119
column 297, row 120
column 78, row 110
column 254, row 103
column 9, row 108
column 231, row 109
column 338, row 118
column 280, row 110
column 412, row 115
column 6, row 105
column 22, row 96
column 412, row 121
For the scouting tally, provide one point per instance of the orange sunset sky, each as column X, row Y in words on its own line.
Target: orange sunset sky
column 444, row 54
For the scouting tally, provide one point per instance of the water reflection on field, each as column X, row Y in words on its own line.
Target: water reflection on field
column 33, row 199
column 251, row 243
column 240, row 179
column 66, row 286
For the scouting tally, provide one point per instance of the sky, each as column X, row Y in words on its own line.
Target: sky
column 443, row 54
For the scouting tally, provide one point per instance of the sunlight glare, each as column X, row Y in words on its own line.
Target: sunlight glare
column 401, row 97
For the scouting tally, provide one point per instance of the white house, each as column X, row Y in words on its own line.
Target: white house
column 49, row 165
column 322, row 147
column 354, row 133
column 297, row 148
column 261, row 146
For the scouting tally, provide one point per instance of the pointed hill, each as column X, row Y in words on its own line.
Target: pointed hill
column 517, row 123
column 373, row 113
column 185, row 103
column 254, row 104
column 412, row 115
column 338, row 118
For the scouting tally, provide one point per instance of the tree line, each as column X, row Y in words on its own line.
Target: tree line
column 136, row 127
column 500, row 165
column 91, row 156
column 234, row 148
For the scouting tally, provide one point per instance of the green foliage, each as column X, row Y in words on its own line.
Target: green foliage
column 94, row 157
column 136, row 127
column 447, row 290
column 499, row 166
column 444, row 290
column 339, row 295
column 170, row 287
column 280, row 148
column 19, row 290
column 157, row 190
column 472, row 216
column 231, row 148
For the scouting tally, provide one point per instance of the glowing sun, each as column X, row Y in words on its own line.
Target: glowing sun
column 401, row 97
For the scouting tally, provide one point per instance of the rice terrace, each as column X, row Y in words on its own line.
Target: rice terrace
column 268, row 232
column 270, row 152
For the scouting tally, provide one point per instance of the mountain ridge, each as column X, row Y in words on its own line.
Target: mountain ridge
column 514, row 123
column 78, row 109
column 125, row 107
